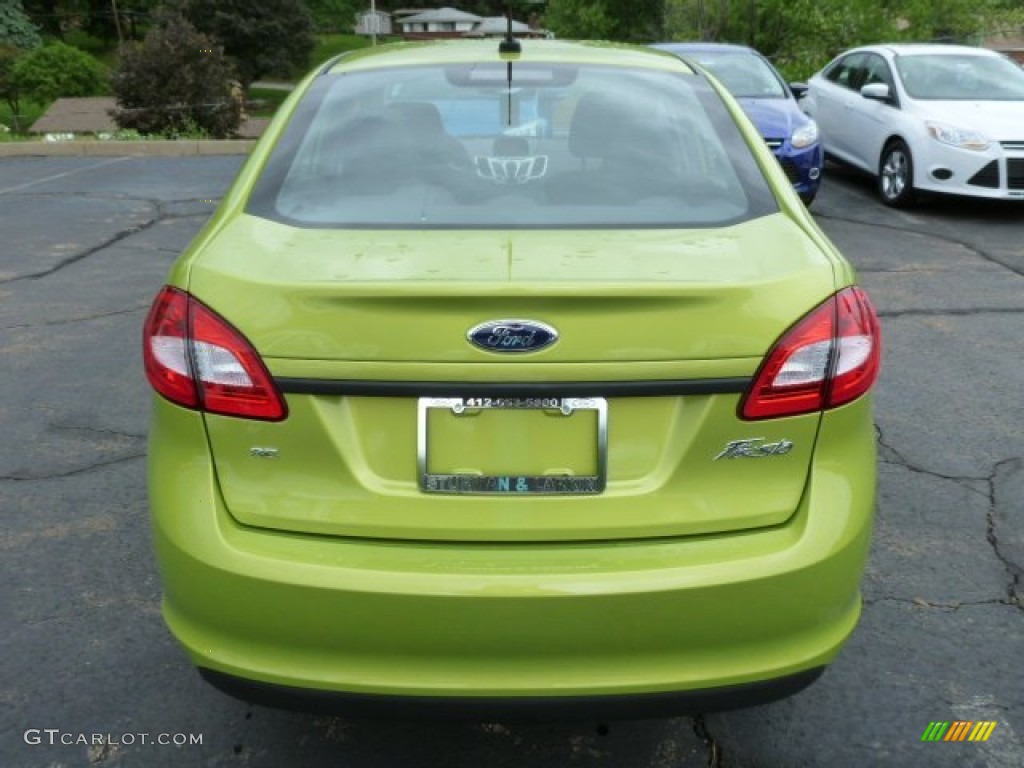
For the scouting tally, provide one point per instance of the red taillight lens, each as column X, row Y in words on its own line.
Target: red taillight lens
column 165, row 349
column 830, row 357
column 860, row 347
column 196, row 359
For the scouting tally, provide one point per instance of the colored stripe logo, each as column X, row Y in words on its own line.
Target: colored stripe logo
column 958, row 730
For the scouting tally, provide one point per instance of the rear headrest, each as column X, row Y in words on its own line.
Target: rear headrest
column 587, row 132
column 601, row 121
column 620, row 129
column 420, row 116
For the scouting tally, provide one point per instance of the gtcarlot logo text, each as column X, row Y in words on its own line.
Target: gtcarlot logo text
column 57, row 737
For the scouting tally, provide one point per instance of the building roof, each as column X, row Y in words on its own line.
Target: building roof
column 82, row 115
column 440, row 16
column 498, row 25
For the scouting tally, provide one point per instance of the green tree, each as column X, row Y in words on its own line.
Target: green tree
column 953, row 20
column 798, row 35
column 489, row 7
column 17, row 34
column 47, row 15
column 9, row 90
column 579, row 19
column 334, row 15
column 631, row 21
column 95, row 17
column 175, row 81
column 16, row 29
column 58, row 70
column 802, row 35
column 264, row 37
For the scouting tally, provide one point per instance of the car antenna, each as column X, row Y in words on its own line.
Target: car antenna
column 509, row 44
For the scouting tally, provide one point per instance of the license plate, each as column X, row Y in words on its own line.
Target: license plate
column 517, row 440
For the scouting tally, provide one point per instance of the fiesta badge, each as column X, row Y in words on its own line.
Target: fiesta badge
column 512, row 336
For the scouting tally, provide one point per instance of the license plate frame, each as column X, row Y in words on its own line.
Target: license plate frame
column 512, row 484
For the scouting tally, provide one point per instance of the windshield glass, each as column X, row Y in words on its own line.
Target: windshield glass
column 949, row 77
column 743, row 74
column 520, row 146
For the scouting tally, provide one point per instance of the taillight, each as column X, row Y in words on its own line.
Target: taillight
column 830, row 357
column 195, row 358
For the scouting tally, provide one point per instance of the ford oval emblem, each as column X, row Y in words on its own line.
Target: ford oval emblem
column 512, row 336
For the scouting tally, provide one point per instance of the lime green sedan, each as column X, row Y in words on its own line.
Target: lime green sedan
column 511, row 382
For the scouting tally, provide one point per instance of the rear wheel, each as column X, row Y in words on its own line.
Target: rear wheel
column 896, row 175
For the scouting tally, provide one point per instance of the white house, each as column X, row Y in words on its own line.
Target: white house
column 497, row 26
column 443, row 22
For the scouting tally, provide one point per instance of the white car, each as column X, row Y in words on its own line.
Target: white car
column 935, row 118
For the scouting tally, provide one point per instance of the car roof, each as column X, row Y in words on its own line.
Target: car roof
column 704, row 47
column 910, row 49
column 476, row 51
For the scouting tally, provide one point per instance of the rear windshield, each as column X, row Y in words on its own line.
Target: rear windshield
column 511, row 146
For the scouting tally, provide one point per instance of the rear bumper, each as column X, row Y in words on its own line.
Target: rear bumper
column 706, row 621
column 522, row 708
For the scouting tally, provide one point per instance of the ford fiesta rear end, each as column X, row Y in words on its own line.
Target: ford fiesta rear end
column 511, row 387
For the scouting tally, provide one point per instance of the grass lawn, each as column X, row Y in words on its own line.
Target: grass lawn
column 328, row 46
column 263, row 102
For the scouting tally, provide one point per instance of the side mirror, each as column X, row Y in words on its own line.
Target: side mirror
column 876, row 92
column 799, row 90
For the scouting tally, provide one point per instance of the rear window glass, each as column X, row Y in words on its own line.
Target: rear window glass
column 511, row 146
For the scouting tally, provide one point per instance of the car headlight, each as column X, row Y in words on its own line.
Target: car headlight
column 805, row 135
column 964, row 138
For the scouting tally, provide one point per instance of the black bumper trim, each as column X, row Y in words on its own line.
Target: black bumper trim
column 529, row 708
column 647, row 388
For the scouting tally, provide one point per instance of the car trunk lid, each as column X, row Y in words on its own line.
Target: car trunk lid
column 358, row 325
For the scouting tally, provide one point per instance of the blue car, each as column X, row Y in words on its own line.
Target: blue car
column 769, row 102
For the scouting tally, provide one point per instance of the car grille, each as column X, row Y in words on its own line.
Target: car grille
column 1013, row 146
column 774, row 144
column 1015, row 173
column 792, row 172
column 987, row 176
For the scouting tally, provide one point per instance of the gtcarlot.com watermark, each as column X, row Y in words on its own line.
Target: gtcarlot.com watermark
column 56, row 737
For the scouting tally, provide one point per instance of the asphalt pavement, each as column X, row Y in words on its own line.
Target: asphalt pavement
column 92, row 678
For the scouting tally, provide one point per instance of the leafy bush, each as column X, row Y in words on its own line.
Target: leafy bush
column 264, row 37
column 58, row 70
column 176, row 82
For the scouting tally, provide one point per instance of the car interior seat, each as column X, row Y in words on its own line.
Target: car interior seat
column 622, row 155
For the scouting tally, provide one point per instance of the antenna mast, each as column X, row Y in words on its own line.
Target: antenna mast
column 509, row 44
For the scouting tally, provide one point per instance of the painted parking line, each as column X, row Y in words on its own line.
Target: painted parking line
column 65, row 174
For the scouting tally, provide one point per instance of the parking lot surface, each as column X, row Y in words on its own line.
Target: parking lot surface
column 91, row 677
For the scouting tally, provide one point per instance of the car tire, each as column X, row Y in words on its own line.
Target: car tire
column 808, row 198
column 896, row 175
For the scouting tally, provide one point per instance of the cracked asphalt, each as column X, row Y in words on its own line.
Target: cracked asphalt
column 84, row 245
